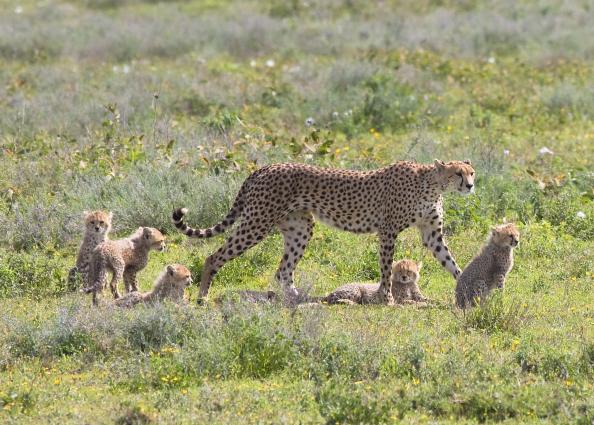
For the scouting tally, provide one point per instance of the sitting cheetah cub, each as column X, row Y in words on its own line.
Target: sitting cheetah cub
column 124, row 258
column 97, row 227
column 487, row 270
column 405, row 288
column 170, row 285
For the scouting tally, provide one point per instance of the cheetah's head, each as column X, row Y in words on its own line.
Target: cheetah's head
column 154, row 238
column 405, row 272
column 98, row 222
column 506, row 235
column 456, row 176
column 179, row 274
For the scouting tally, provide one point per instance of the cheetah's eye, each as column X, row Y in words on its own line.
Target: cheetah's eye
column 472, row 174
column 93, row 223
column 102, row 222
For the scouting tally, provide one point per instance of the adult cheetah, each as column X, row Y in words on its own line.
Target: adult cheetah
column 384, row 201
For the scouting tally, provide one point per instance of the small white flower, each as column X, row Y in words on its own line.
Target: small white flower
column 506, row 152
column 491, row 59
column 310, row 121
column 580, row 214
column 545, row 151
column 115, row 68
column 270, row 63
column 126, row 69
column 18, row 10
column 335, row 115
column 253, row 63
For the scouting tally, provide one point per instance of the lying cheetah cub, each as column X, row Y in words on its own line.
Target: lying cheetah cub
column 487, row 270
column 97, row 227
column 170, row 285
column 124, row 258
column 405, row 288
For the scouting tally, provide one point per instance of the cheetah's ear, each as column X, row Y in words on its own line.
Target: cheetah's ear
column 110, row 215
column 439, row 164
column 85, row 213
column 170, row 270
column 146, row 232
column 420, row 265
column 467, row 161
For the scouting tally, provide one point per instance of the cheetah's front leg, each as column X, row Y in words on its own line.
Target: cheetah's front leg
column 385, row 260
column 434, row 240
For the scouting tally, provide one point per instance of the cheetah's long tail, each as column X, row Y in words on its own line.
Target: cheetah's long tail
column 217, row 229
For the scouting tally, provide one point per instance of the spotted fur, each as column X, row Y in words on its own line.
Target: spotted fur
column 488, row 270
column 170, row 285
column 124, row 258
column 405, row 288
column 384, row 201
column 97, row 227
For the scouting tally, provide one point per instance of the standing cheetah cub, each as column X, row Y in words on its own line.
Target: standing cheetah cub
column 405, row 288
column 124, row 258
column 487, row 270
column 170, row 285
column 97, row 227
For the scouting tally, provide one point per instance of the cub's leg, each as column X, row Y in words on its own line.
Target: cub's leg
column 415, row 294
column 249, row 233
column 118, row 275
column 297, row 230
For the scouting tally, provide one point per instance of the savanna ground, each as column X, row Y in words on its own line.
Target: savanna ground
column 138, row 106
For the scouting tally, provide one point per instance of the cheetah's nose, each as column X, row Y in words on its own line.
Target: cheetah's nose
column 469, row 186
column 97, row 228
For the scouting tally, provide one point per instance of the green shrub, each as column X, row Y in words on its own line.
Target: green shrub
column 496, row 313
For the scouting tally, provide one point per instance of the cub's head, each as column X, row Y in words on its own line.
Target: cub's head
column 456, row 176
column 98, row 222
column 505, row 235
column 405, row 272
column 154, row 238
column 179, row 275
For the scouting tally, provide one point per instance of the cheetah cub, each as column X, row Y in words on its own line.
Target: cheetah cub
column 97, row 227
column 487, row 270
column 124, row 258
column 405, row 288
column 169, row 285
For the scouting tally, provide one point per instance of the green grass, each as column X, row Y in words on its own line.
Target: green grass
column 139, row 106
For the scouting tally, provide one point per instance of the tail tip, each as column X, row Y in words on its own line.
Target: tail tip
column 178, row 214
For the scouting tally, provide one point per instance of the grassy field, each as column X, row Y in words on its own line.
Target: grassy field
column 136, row 106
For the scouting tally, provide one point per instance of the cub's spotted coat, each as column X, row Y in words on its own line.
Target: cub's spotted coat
column 487, row 270
column 170, row 285
column 124, row 258
column 97, row 227
column 405, row 288
column 384, row 201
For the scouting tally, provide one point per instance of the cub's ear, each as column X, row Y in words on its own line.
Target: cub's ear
column 85, row 213
column 439, row 164
column 110, row 215
column 170, row 270
column 420, row 265
column 146, row 232
column 467, row 161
